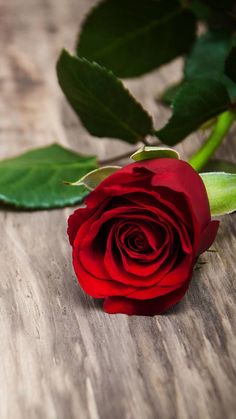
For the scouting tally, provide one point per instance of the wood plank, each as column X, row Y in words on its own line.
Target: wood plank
column 60, row 355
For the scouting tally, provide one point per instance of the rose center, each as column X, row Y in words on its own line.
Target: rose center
column 135, row 240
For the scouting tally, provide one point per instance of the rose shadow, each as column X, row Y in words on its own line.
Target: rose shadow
column 79, row 297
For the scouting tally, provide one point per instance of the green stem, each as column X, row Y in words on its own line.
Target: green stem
column 221, row 128
column 117, row 158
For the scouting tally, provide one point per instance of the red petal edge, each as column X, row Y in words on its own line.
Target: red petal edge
column 123, row 305
column 208, row 236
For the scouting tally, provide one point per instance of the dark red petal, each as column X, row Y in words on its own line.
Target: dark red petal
column 165, row 215
column 90, row 250
column 123, row 305
column 153, row 236
column 154, row 269
column 156, row 248
column 208, row 236
column 122, row 269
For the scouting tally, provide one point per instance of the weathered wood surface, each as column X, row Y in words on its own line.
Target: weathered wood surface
column 60, row 355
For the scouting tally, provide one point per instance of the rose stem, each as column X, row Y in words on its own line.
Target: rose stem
column 145, row 141
column 126, row 154
column 116, row 158
column 221, row 128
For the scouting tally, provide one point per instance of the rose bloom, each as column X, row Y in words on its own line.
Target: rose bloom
column 136, row 242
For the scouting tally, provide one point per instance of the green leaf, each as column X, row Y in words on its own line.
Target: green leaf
column 219, row 4
column 132, row 37
column 147, row 153
column 215, row 17
column 101, row 101
column 197, row 101
column 167, row 97
column 91, row 180
column 221, row 191
column 230, row 65
column 208, row 55
column 207, row 58
column 220, row 166
column 202, row 11
column 34, row 180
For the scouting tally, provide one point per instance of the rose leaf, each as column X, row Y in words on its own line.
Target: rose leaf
column 221, row 191
column 207, row 58
column 195, row 103
column 132, row 37
column 208, row 55
column 230, row 65
column 34, row 180
column 104, row 105
column 168, row 95
column 220, row 5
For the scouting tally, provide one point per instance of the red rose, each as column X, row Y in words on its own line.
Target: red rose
column 137, row 240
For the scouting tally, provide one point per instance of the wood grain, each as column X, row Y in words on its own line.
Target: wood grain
column 60, row 355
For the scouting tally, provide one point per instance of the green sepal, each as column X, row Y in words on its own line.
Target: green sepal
column 221, row 191
column 92, row 179
column 152, row 152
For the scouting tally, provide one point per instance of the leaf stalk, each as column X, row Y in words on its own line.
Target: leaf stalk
column 221, row 128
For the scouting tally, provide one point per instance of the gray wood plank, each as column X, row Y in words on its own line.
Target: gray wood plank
column 60, row 355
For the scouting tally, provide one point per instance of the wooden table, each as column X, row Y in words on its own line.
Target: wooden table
column 60, row 355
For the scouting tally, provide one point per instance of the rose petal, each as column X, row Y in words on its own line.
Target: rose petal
column 171, row 281
column 82, row 215
column 95, row 287
column 160, row 211
column 74, row 221
column 179, row 176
